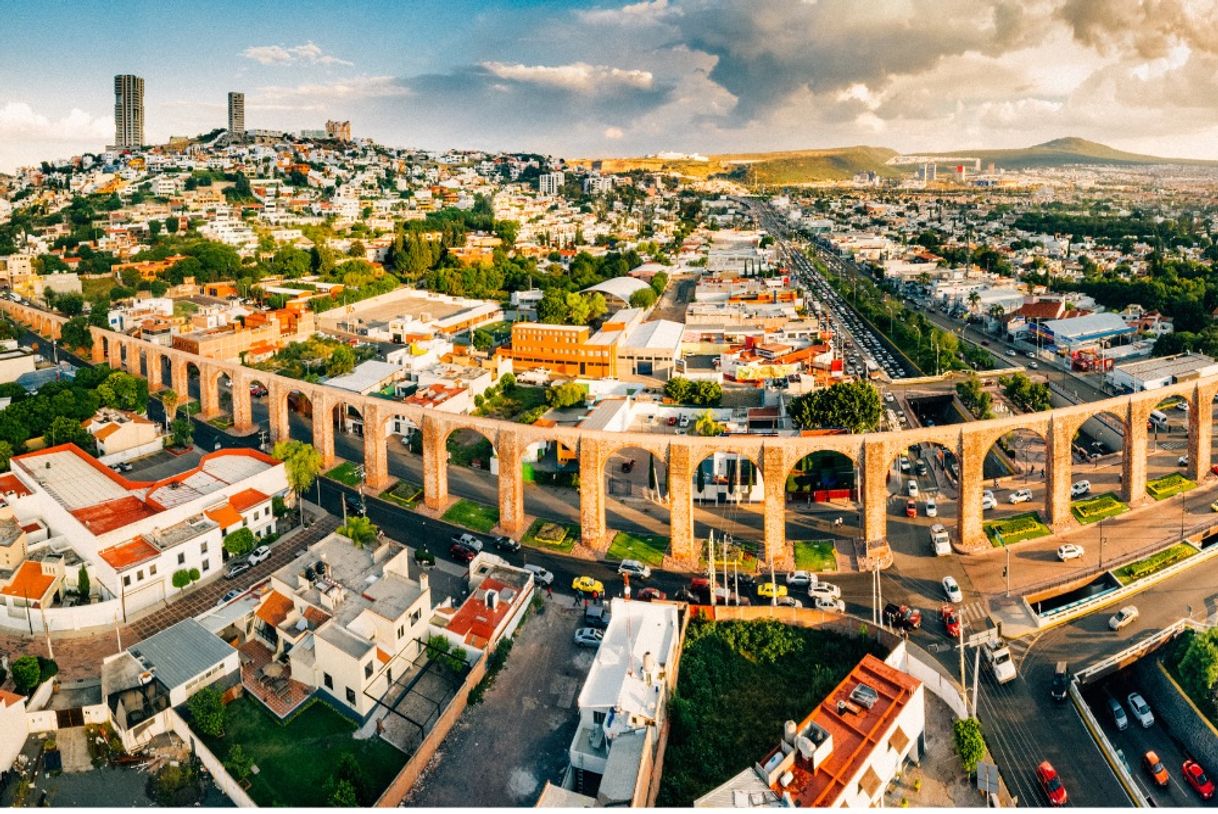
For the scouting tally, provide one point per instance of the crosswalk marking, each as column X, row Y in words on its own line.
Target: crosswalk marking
column 972, row 612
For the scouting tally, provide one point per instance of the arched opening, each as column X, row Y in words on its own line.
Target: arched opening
column 192, row 386
column 821, row 492
column 473, row 481
column 1097, row 454
column 1014, row 499
column 1168, row 436
column 917, row 512
column 300, row 415
column 728, row 494
column 222, row 415
column 636, row 488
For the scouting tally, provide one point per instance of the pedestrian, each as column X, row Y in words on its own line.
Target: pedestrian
column 575, row 601
column 549, row 592
column 585, row 604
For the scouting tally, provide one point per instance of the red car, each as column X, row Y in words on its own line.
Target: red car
column 462, row 553
column 1051, row 783
column 648, row 594
column 672, row 421
column 1197, row 778
column 951, row 622
column 911, row 508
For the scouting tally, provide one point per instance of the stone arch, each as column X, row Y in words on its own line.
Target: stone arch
column 1015, row 473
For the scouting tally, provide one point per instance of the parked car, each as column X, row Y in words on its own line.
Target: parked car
column 1196, row 777
column 540, row 575
column 597, row 616
column 461, row 553
column 588, row 637
column 259, row 554
column 769, row 590
column 229, row 597
column 1156, row 769
column 911, row 508
column 634, row 568
column 503, row 543
column 1051, row 783
column 988, row 501
column 258, row 391
column 827, row 603
column 932, row 508
column 911, row 488
column 1141, row 710
column 903, row 465
column 1182, row 460
column 788, row 602
column 952, row 589
column 826, row 589
column 469, row 541
column 800, row 579
column 951, row 621
column 1059, row 687
column 650, row 594
column 920, row 468
column 1020, row 496
column 902, row 616
column 1119, row 719
column 672, row 421
column 1069, row 551
column 1123, row 617
column 588, row 585
column 236, row 568
column 1080, row 488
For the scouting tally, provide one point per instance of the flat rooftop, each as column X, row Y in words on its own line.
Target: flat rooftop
column 635, row 629
column 1179, row 365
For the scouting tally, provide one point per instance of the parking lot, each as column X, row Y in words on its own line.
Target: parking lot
column 502, row 751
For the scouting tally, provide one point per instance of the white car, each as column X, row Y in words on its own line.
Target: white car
column 952, row 589
column 801, row 579
column 259, row 554
column 911, row 488
column 1080, row 488
column 825, row 589
column 634, row 568
column 1020, row 496
column 1182, row 460
column 1141, row 710
column 903, row 465
column 540, row 575
column 825, row 603
column 788, row 602
column 988, row 501
column 1069, row 551
column 932, row 508
column 1123, row 617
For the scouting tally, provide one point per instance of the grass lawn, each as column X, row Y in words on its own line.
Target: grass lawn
column 297, row 759
column 1099, row 507
column 1169, row 486
column 221, row 422
column 1154, row 563
column 92, row 289
column 523, row 399
column 476, row 516
column 549, row 535
column 740, row 555
column 405, row 494
column 646, row 548
column 815, row 555
column 347, row 473
column 1026, row 526
column 725, row 710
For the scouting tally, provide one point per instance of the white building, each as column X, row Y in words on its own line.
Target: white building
column 550, row 183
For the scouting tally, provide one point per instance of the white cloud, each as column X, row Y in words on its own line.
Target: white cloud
column 19, row 121
column 645, row 12
column 309, row 53
column 359, row 87
column 613, row 133
column 579, row 77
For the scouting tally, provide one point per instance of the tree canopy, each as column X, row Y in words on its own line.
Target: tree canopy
column 851, row 406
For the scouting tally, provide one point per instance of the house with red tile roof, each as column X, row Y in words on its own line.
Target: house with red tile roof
column 499, row 594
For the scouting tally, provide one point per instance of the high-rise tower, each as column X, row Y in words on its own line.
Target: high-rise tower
column 128, row 111
column 236, row 116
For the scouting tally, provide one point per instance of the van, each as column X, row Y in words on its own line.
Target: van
column 1158, row 419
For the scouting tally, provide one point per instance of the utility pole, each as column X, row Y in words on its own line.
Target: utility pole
column 1006, row 569
column 710, row 563
column 963, row 677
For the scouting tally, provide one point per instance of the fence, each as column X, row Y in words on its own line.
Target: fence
column 922, row 666
column 99, row 614
column 224, row 781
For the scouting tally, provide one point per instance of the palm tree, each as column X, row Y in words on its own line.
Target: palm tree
column 974, row 299
column 360, row 530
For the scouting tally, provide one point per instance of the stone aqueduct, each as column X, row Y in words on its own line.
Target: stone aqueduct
column 873, row 454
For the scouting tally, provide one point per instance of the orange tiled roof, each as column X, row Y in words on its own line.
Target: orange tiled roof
column 10, row 483
column 316, row 617
column 132, row 552
column 274, row 609
column 105, row 432
column 247, row 499
column 225, row 515
column 29, row 582
column 10, row 698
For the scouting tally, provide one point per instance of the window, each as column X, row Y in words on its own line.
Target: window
column 414, row 617
column 401, row 631
column 327, row 680
column 152, row 570
column 126, row 580
column 203, row 548
column 139, row 575
column 351, row 696
column 206, row 565
column 598, row 718
column 181, row 558
column 368, row 671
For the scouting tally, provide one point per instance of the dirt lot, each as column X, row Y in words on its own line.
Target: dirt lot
column 503, row 751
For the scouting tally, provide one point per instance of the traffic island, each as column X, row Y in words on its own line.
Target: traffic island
column 818, row 556
column 1016, row 529
column 1147, row 566
column 1100, row 507
column 648, row 549
column 476, row 516
column 1169, row 486
column 549, row 535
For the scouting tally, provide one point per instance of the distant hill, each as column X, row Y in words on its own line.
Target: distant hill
column 1070, row 150
column 794, row 167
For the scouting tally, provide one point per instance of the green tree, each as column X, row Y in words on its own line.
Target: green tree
column 360, row 530
column 552, row 309
column 1198, row 665
column 973, row 396
column 207, row 711
column 507, row 230
column 342, row 794
column 707, row 425
column 123, row 391
column 183, row 577
column 659, row 282
column 66, row 430
column 707, row 393
column 27, row 674
column 171, row 224
column 169, row 399
column 239, row 764
column 679, row 389
column 70, row 304
column 342, row 361
column 970, row 745
column 240, row 542
column 302, row 463
column 852, row 406
column 6, row 455
column 182, row 431
column 82, row 582
column 566, row 395
column 643, row 298
column 75, row 333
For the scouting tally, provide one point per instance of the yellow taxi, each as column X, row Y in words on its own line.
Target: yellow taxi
column 587, row 585
column 771, row 589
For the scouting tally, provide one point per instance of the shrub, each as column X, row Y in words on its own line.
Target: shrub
column 970, row 745
column 27, row 674
column 239, row 764
column 551, row 533
column 207, row 711
column 177, row 786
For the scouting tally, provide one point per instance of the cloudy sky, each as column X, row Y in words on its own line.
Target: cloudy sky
column 599, row 78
